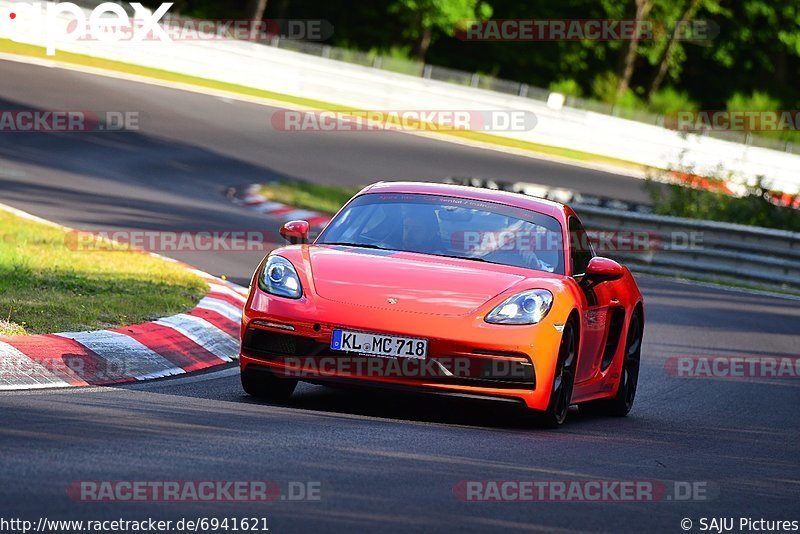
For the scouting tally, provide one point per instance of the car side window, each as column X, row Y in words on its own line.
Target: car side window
column 581, row 248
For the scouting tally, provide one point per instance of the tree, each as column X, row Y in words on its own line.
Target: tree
column 673, row 43
column 643, row 8
column 425, row 17
column 668, row 57
column 258, row 8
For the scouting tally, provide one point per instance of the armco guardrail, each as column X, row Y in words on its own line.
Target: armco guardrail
column 301, row 75
column 703, row 250
column 674, row 246
column 483, row 81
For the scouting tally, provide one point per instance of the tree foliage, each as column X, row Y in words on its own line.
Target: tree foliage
column 425, row 20
column 754, row 45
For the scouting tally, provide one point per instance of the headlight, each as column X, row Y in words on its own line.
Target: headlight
column 280, row 278
column 528, row 307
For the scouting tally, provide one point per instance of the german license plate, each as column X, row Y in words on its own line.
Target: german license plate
column 379, row 344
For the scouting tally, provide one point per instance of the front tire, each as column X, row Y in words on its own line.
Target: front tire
column 564, row 378
column 263, row 384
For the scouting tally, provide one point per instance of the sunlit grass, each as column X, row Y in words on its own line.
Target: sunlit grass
column 48, row 284
column 322, row 198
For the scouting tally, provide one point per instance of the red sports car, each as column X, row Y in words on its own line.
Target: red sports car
column 451, row 290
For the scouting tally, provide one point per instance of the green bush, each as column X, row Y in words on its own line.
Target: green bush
column 567, row 87
column 757, row 101
column 604, row 87
column 629, row 100
column 754, row 208
column 669, row 100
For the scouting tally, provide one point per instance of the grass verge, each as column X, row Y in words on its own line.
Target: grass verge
column 47, row 286
column 11, row 47
column 323, row 198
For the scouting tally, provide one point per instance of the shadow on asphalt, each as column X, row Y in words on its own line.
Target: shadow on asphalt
column 363, row 402
column 139, row 174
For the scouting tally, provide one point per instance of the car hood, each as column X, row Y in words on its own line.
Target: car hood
column 410, row 282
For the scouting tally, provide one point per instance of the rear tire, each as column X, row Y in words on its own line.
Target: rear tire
column 263, row 384
column 622, row 403
column 563, row 380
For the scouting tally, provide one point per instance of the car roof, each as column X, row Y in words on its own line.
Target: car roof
column 539, row 205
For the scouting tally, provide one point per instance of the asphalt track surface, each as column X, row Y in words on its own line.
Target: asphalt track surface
column 385, row 462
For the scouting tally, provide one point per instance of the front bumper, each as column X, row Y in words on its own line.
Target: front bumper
column 466, row 355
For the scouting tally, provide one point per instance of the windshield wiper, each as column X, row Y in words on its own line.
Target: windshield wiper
column 367, row 245
column 359, row 245
column 471, row 258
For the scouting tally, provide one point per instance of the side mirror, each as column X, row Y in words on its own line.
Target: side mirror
column 295, row 232
column 603, row 270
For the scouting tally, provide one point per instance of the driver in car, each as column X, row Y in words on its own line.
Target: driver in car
column 419, row 231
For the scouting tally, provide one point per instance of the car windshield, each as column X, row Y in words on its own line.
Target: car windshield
column 452, row 227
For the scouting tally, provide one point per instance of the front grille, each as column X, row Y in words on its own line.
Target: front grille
column 493, row 370
column 264, row 342
column 502, row 369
